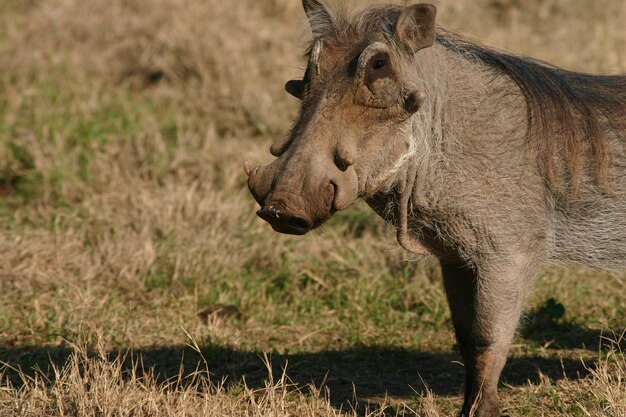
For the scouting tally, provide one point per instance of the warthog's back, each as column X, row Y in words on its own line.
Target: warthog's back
column 589, row 226
column 577, row 131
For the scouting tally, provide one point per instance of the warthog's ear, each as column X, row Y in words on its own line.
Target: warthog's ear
column 415, row 28
column 319, row 18
column 295, row 88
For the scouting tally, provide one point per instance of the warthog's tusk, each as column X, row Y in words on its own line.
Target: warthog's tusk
column 247, row 168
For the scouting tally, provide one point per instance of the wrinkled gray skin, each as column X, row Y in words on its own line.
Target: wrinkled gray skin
column 440, row 146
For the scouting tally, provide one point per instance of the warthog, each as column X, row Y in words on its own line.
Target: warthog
column 493, row 163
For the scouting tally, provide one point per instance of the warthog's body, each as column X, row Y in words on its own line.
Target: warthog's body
column 495, row 164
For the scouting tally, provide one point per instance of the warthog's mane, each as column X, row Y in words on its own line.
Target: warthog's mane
column 568, row 113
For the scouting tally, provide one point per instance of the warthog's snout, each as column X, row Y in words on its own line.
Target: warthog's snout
column 299, row 194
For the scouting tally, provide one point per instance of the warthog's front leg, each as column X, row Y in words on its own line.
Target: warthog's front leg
column 485, row 307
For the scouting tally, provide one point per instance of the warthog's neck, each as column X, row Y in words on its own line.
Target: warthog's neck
column 469, row 165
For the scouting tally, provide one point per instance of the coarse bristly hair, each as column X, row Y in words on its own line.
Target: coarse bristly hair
column 574, row 126
column 566, row 111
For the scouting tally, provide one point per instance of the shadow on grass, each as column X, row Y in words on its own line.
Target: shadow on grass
column 371, row 372
column 547, row 326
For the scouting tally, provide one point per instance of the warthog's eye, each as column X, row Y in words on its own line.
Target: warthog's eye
column 378, row 67
column 378, row 82
column 379, row 63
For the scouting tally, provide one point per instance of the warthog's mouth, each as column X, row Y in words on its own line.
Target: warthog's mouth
column 284, row 222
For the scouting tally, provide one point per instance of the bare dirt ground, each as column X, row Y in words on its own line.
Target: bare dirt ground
column 136, row 280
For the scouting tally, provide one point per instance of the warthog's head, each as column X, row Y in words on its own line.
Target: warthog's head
column 358, row 95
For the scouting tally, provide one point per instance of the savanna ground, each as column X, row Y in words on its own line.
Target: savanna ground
column 136, row 280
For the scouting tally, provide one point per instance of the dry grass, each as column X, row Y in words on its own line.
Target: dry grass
column 98, row 385
column 128, row 234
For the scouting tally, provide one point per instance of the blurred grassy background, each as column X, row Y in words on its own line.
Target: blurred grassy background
column 126, row 224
